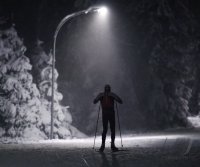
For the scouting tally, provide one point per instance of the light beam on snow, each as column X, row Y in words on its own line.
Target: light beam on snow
column 128, row 141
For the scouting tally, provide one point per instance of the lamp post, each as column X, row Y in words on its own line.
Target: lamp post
column 100, row 10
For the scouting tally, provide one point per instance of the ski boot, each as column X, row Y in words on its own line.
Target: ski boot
column 101, row 149
column 114, row 148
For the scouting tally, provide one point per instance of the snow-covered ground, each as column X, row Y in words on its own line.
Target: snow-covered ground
column 161, row 149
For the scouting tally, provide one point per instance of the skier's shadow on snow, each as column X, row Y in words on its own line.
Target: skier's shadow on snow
column 105, row 161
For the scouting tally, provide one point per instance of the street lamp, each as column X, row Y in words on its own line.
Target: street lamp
column 102, row 11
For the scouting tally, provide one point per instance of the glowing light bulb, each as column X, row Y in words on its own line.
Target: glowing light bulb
column 102, row 11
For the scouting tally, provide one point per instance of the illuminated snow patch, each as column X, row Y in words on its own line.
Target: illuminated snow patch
column 128, row 141
column 195, row 121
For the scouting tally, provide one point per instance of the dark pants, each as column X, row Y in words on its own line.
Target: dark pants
column 108, row 116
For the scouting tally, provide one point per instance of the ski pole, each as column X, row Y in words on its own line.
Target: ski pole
column 119, row 125
column 96, row 127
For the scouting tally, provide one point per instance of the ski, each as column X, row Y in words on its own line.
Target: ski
column 106, row 151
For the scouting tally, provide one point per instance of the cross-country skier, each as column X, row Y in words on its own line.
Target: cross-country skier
column 107, row 99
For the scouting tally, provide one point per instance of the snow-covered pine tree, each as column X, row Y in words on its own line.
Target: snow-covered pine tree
column 171, row 65
column 169, row 43
column 171, row 60
column 42, row 69
column 19, row 97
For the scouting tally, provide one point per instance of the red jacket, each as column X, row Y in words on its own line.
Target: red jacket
column 107, row 100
